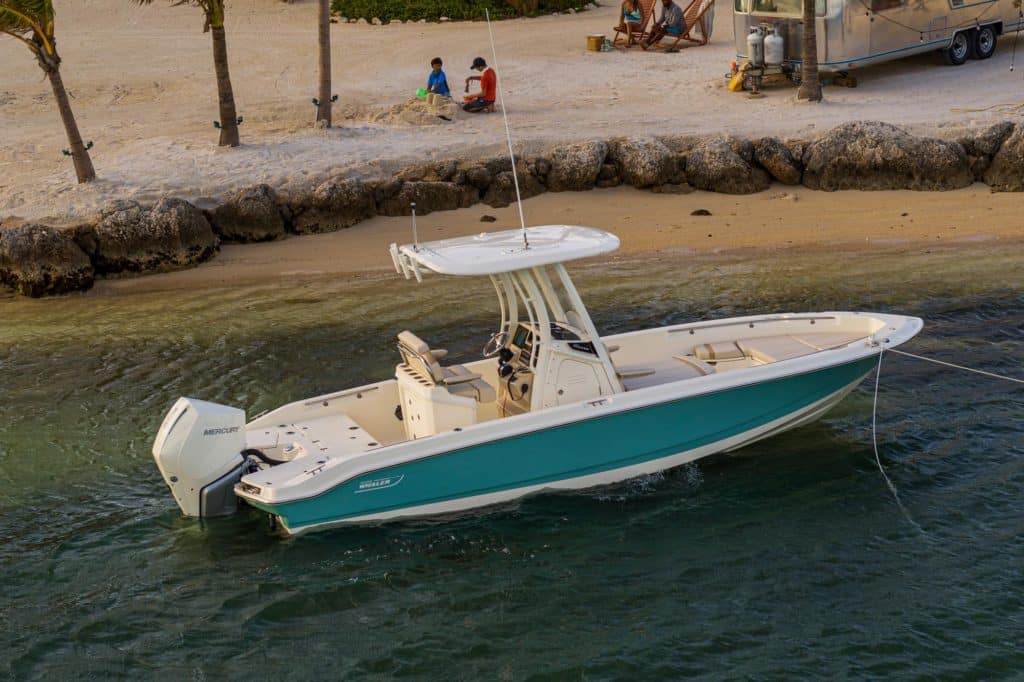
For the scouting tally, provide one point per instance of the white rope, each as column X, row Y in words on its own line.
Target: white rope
column 966, row 369
column 508, row 134
column 874, row 416
column 874, row 443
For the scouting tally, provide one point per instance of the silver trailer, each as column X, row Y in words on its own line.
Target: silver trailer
column 855, row 33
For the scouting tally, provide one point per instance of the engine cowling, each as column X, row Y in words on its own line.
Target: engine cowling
column 198, row 451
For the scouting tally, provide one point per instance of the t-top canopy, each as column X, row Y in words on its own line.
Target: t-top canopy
column 494, row 252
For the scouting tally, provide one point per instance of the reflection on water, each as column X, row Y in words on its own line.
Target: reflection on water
column 782, row 560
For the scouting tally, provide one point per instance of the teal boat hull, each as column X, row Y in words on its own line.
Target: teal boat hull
column 585, row 450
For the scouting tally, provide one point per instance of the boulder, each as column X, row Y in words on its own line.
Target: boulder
column 742, row 147
column 498, row 164
column 1006, row 172
column 173, row 234
column 988, row 141
column 502, row 191
column 775, row 157
column 643, row 161
column 36, row 260
column 252, row 215
column 981, row 145
column 441, row 171
column 608, row 176
column 714, row 164
column 334, row 205
column 796, row 149
column 870, row 155
column 575, row 167
column 429, row 197
column 476, row 175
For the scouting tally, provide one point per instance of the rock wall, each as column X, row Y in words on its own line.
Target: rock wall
column 865, row 155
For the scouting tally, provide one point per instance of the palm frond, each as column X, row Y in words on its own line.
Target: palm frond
column 27, row 15
column 32, row 22
column 213, row 9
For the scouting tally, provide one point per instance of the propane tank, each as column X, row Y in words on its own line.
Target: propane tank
column 774, row 52
column 755, row 46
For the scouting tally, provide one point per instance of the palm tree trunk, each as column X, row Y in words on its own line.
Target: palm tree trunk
column 79, row 154
column 226, row 98
column 810, row 84
column 323, row 109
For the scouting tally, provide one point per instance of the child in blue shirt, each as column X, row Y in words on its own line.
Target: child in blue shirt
column 437, row 82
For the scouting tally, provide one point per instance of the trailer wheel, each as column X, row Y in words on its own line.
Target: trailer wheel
column 985, row 42
column 959, row 49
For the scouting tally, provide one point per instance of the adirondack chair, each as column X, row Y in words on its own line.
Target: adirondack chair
column 695, row 14
column 646, row 14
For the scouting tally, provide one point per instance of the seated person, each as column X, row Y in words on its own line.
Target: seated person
column 671, row 23
column 631, row 20
column 483, row 100
column 437, row 82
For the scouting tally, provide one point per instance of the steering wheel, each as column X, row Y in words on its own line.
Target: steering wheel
column 495, row 343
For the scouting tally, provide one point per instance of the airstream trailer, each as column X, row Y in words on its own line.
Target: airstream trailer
column 855, row 33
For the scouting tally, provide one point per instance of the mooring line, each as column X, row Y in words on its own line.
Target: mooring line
column 874, row 443
column 955, row 366
column 874, row 415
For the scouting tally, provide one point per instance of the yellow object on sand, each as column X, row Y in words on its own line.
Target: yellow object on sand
column 736, row 82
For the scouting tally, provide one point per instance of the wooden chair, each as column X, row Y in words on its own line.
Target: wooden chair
column 694, row 15
column 646, row 15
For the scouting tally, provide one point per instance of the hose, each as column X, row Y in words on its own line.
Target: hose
column 260, row 455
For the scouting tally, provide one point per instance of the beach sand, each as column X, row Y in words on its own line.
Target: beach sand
column 142, row 87
column 649, row 225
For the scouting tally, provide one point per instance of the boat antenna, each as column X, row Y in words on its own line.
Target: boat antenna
column 415, row 241
column 508, row 135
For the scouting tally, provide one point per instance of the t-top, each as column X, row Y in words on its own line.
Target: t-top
column 489, row 84
column 440, row 80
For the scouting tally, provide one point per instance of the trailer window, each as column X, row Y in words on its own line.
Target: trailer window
column 881, row 5
column 778, row 7
column 741, row 6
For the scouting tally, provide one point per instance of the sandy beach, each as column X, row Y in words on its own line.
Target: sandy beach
column 142, row 88
column 649, row 225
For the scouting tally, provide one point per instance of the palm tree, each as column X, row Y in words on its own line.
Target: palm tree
column 214, row 11
column 31, row 22
column 810, row 84
column 323, row 102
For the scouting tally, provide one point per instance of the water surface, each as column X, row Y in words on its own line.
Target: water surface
column 788, row 559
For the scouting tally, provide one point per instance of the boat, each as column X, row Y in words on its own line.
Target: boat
column 551, row 404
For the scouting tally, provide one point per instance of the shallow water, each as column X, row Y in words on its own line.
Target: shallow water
column 789, row 559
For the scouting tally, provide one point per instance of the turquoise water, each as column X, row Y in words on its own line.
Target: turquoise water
column 789, row 559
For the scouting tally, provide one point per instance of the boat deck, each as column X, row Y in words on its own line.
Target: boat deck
column 337, row 436
column 727, row 355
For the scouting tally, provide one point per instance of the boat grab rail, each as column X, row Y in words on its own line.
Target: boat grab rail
column 748, row 323
column 340, row 394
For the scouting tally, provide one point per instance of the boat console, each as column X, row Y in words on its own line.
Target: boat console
column 563, row 365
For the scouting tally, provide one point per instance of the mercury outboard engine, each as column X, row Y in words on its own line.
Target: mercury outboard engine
column 199, row 452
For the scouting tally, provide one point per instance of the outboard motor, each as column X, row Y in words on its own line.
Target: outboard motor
column 198, row 450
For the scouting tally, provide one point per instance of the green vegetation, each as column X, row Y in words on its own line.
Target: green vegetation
column 456, row 10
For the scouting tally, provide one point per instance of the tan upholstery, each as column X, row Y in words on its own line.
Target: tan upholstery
column 697, row 364
column 413, row 342
column 634, row 372
column 463, row 382
column 774, row 348
column 722, row 350
column 418, row 356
